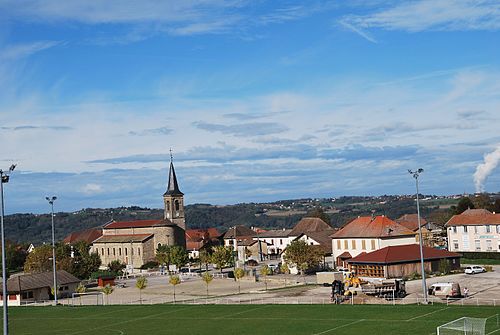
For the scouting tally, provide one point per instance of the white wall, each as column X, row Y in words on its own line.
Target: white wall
column 474, row 238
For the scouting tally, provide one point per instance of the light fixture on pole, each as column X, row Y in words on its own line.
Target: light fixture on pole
column 51, row 202
column 415, row 175
column 4, row 178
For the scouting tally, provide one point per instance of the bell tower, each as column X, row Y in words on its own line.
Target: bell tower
column 173, row 199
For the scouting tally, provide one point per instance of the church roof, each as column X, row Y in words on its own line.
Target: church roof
column 172, row 187
column 88, row 235
column 137, row 224
column 123, row 238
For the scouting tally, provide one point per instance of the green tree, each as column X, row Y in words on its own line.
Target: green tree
column 482, row 201
column 163, row 255
column 302, row 255
column 141, row 284
column 84, row 262
column 464, row 204
column 238, row 274
column 222, row 256
column 207, row 277
column 174, row 280
column 15, row 256
column 264, row 272
column 285, row 270
column 107, row 290
column 205, row 258
column 39, row 260
column 81, row 289
column 178, row 256
column 116, row 267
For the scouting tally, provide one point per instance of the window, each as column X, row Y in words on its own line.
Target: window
column 455, row 244
column 373, row 244
column 177, row 205
column 338, row 245
column 139, row 251
column 478, row 245
column 475, row 229
column 168, row 205
column 498, row 229
column 353, row 244
column 119, row 251
column 346, row 244
column 363, row 244
column 27, row 295
column 465, row 229
column 455, row 229
column 102, row 251
column 281, row 241
column 488, row 228
column 108, row 251
column 114, row 252
column 125, row 251
column 489, row 246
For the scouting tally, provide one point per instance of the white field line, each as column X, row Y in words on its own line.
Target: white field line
column 338, row 327
column 421, row 316
column 242, row 312
column 498, row 330
column 129, row 320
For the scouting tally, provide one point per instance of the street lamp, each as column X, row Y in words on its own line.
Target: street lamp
column 4, row 178
column 415, row 175
column 51, row 202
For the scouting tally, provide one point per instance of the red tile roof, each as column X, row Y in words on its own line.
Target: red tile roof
column 410, row 221
column 402, row 254
column 474, row 217
column 345, row 255
column 197, row 234
column 366, row 226
column 309, row 224
column 136, row 224
column 88, row 236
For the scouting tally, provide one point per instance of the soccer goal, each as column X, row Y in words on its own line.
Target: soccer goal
column 87, row 298
column 465, row 325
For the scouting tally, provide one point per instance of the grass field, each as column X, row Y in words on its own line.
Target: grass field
column 242, row 319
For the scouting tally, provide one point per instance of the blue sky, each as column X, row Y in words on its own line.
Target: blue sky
column 260, row 100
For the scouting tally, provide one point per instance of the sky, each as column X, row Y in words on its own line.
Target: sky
column 258, row 100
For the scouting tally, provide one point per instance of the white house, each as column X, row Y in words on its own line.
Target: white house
column 476, row 230
column 277, row 240
column 366, row 234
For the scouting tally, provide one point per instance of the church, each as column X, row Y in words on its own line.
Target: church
column 134, row 242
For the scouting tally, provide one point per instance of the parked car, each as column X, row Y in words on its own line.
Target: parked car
column 274, row 267
column 473, row 269
column 251, row 262
column 445, row 290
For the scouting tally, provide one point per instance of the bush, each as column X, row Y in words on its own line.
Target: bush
column 444, row 266
column 150, row 265
column 488, row 268
column 103, row 275
column 481, row 255
column 116, row 267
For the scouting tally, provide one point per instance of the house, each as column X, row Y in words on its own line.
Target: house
column 252, row 249
column 310, row 225
column 398, row 261
column 236, row 235
column 368, row 233
column 197, row 239
column 134, row 242
column 476, row 230
column 277, row 240
column 410, row 221
column 28, row 288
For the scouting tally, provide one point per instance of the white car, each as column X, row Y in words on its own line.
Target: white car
column 473, row 269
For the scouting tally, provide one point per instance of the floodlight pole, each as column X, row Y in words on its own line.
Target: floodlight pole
column 4, row 178
column 415, row 175
column 51, row 202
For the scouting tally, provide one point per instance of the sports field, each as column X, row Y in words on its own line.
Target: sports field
column 242, row 319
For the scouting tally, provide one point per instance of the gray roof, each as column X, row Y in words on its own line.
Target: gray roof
column 123, row 238
column 172, row 187
column 241, row 231
column 275, row 233
column 38, row 280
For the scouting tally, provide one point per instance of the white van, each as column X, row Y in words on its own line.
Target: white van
column 445, row 290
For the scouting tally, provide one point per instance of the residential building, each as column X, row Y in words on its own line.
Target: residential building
column 366, row 234
column 277, row 240
column 134, row 242
column 234, row 236
column 476, row 230
column 410, row 221
column 398, row 261
column 198, row 239
column 28, row 288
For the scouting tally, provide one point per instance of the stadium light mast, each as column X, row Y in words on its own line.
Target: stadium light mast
column 4, row 178
column 51, row 202
column 416, row 174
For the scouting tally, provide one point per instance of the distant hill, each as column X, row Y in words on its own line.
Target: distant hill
column 36, row 228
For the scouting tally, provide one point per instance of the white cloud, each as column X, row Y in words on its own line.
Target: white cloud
column 17, row 51
column 448, row 15
column 92, row 188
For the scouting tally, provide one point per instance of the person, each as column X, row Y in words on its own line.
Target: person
column 466, row 292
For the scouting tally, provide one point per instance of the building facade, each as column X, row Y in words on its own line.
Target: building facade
column 366, row 234
column 475, row 230
column 134, row 242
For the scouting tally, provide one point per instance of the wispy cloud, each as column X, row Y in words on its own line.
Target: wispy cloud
column 18, row 51
column 415, row 16
column 243, row 129
column 153, row 131
column 30, row 127
column 345, row 23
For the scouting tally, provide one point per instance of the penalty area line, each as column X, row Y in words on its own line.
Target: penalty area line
column 338, row 327
column 421, row 316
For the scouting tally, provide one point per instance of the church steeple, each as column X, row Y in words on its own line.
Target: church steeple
column 174, row 199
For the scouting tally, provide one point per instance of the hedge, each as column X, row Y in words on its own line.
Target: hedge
column 481, row 255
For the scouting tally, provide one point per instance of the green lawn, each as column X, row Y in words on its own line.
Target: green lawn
column 241, row 319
